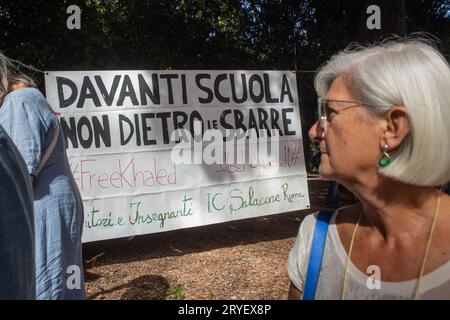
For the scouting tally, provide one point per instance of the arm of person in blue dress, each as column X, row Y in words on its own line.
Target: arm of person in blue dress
column 19, row 116
column 294, row 293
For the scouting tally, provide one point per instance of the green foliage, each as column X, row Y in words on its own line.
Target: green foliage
column 192, row 34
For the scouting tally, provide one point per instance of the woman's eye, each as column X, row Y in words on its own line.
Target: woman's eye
column 331, row 113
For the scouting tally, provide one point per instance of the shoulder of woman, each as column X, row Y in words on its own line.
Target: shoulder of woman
column 308, row 224
column 30, row 99
column 26, row 95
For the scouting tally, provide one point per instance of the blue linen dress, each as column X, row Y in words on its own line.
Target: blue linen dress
column 30, row 122
column 17, row 267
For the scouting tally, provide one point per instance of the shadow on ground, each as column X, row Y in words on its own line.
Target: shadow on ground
column 148, row 287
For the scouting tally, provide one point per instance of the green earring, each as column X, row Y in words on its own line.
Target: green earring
column 385, row 159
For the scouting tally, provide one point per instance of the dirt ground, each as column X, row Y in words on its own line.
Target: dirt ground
column 243, row 259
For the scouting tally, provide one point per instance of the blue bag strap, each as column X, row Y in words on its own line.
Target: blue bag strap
column 316, row 254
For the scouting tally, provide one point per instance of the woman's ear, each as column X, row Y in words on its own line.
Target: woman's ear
column 397, row 127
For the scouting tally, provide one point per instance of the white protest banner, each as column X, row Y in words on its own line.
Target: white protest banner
column 153, row 151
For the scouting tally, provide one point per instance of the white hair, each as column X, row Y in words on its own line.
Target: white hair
column 10, row 74
column 409, row 72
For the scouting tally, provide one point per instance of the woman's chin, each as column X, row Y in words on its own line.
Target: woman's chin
column 325, row 176
column 325, row 171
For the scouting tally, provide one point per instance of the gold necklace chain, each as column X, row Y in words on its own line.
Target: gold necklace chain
column 424, row 260
column 344, row 288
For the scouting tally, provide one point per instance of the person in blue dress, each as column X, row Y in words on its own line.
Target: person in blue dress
column 17, row 271
column 58, row 210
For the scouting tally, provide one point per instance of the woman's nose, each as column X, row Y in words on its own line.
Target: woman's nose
column 315, row 132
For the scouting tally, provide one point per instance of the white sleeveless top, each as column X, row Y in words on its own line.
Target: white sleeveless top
column 435, row 285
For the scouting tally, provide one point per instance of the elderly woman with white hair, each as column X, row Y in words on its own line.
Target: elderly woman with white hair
column 384, row 133
column 58, row 210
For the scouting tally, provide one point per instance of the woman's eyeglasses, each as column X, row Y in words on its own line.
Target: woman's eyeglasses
column 326, row 113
